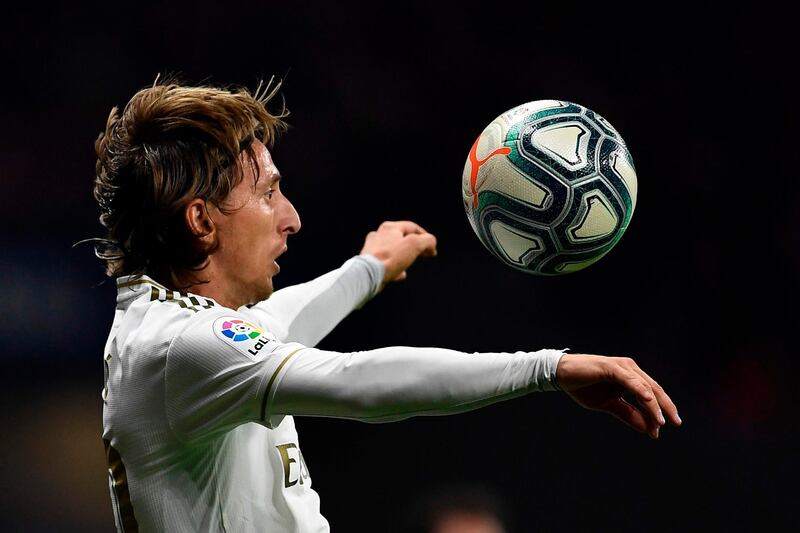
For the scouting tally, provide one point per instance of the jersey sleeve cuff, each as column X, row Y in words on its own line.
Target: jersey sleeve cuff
column 375, row 270
column 546, row 370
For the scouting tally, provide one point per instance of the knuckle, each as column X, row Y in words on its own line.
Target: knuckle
column 648, row 393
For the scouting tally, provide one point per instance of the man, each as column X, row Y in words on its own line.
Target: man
column 205, row 366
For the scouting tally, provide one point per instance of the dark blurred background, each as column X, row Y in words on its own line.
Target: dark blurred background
column 386, row 100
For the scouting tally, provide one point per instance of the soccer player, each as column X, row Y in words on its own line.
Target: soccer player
column 206, row 365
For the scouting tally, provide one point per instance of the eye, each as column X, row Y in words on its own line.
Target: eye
column 269, row 193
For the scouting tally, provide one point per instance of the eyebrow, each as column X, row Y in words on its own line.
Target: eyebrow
column 271, row 183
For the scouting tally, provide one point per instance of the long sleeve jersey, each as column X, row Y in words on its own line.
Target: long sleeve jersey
column 199, row 398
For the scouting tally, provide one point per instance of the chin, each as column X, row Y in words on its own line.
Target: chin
column 265, row 291
column 258, row 292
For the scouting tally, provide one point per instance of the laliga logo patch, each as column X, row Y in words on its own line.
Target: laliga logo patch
column 242, row 335
column 239, row 330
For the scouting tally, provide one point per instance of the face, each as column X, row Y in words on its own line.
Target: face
column 253, row 231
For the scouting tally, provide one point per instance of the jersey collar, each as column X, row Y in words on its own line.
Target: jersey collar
column 132, row 287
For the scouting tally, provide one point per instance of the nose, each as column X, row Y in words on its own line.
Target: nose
column 290, row 221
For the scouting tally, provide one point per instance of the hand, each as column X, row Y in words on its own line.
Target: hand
column 599, row 383
column 398, row 244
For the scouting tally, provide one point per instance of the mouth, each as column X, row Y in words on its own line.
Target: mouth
column 275, row 261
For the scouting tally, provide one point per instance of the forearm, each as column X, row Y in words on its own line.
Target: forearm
column 305, row 313
column 400, row 382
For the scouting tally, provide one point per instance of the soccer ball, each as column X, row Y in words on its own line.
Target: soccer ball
column 549, row 187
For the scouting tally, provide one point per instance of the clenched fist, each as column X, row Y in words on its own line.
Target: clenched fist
column 398, row 244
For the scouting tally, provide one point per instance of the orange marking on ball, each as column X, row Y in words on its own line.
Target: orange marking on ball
column 476, row 164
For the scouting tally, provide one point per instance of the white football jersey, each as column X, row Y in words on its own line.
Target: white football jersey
column 189, row 443
column 198, row 398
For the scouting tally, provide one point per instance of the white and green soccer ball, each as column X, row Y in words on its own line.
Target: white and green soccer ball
column 549, row 187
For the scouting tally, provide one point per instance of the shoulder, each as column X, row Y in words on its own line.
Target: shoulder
column 174, row 315
column 238, row 331
column 223, row 330
column 152, row 305
column 150, row 322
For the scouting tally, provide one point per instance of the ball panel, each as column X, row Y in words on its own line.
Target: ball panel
column 519, row 233
column 515, row 244
column 596, row 189
column 567, row 141
column 595, row 219
column 586, row 144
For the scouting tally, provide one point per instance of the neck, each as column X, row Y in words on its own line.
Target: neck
column 210, row 283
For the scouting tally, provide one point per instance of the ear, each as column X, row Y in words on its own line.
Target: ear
column 199, row 223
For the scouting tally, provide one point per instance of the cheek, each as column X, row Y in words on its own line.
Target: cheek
column 262, row 227
column 267, row 222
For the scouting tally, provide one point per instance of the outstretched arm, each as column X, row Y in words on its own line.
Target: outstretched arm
column 215, row 382
column 399, row 382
